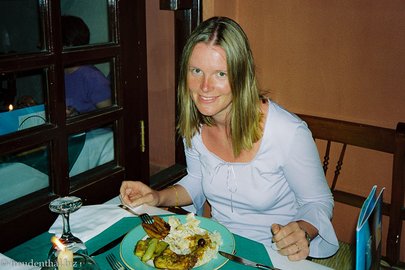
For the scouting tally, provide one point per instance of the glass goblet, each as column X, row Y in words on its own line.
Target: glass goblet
column 64, row 206
column 84, row 262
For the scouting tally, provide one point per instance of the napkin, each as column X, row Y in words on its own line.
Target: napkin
column 283, row 262
column 91, row 220
column 7, row 263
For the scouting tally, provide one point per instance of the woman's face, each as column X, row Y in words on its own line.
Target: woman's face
column 208, row 82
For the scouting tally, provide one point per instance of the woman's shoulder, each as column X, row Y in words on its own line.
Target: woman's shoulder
column 280, row 132
column 278, row 115
column 281, row 126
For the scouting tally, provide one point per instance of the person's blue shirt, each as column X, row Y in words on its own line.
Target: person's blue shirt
column 85, row 88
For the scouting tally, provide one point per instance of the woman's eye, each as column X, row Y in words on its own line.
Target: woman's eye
column 222, row 74
column 196, row 70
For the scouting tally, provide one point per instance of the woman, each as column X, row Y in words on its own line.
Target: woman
column 254, row 162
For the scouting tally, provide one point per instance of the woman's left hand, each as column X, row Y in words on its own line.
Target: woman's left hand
column 291, row 241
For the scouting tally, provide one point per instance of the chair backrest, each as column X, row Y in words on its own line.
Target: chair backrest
column 386, row 140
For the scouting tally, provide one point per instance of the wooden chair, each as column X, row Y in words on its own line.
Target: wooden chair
column 391, row 141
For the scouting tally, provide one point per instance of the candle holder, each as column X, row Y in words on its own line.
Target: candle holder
column 64, row 206
column 68, row 252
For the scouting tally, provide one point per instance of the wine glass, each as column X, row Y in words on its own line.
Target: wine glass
column 84, row 262
column 64, row 206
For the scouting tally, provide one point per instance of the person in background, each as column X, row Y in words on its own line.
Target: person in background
column 254, row 162
column 86, row 87
column 25, row 101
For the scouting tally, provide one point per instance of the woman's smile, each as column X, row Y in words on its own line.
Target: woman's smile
column 207, row 99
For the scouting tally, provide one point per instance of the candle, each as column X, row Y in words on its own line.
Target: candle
column 65, row 259
column 65, row 256
column 10, row 107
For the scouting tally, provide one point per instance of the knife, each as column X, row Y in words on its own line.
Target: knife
column 245, row 261
column 108, row 246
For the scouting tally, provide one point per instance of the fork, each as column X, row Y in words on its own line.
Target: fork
column 146, row 218
column 114, row 263
column 123, row 206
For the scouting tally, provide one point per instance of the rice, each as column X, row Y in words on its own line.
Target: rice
column 212, row 251
column 180, row 235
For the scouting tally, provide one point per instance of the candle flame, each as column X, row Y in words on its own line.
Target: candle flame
column 58, row 243
column 10, row 107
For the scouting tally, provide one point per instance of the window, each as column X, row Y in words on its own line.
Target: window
column 62, row 136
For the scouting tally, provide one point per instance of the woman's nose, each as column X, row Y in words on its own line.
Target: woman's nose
column 205, row 84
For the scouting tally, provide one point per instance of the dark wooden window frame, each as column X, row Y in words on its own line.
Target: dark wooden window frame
column 187, row 15
column 30, row 214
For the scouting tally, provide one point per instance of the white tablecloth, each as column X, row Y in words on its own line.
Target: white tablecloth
column 282, row 262
column 91, row 220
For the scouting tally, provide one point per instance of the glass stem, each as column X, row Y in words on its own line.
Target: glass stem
column 66, row 226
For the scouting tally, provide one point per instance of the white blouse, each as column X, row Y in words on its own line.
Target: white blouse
column 284, row 182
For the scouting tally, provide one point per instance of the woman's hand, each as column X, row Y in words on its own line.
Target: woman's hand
column 291, row 240
column 135, row 193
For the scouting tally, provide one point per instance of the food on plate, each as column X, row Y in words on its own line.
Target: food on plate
column 171, row 260
column 141, row 247
column 158, row 229
column 185, row 246
column 161, row 246
column 149, row 248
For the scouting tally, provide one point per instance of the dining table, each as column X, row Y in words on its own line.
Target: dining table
column 33, row 253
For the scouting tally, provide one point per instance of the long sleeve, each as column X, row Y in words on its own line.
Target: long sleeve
column 192, row 181
column 305, row 176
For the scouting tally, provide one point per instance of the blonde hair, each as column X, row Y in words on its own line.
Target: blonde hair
column 245, row 115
